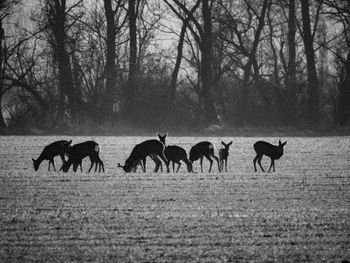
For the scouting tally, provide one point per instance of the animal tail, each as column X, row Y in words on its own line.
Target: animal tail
column 97, row 148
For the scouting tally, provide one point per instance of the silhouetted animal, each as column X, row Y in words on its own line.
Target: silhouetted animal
column 50, row 151
column 175, row 154
column 78, row 152
column 264, row 148
column 140, row 152
column 223, row 155
column 202, row 149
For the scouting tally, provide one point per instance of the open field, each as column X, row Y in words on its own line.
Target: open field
column 301, row 213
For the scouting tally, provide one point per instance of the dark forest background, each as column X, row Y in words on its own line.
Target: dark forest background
column 113, row 66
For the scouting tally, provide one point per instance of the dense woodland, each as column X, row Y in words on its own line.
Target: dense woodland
column 174, row 64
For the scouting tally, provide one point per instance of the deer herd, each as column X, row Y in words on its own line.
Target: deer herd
column 157, row 150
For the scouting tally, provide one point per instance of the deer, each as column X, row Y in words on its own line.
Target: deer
column 175, row 154
column 154, row 157
column 223, row 155
column 50, row 151
column 140, row 152
column 78, row 152
column 264, row 148
column 204, row 149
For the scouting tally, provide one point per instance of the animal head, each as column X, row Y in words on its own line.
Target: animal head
column 128, row 166
column 35, row 164
column 66, row 165
column 162, row 138
column 65, row 145
column 280, row 144
column 226, row 145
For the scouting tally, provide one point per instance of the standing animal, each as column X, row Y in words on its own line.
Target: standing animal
column 175, row 154
column 50, row 151
column 141, row 151
column 202, row 149
column 154, row 157
column 223, row 155
column 264, row 148
column 78, row 152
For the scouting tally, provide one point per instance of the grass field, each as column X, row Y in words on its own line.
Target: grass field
column 300, row 213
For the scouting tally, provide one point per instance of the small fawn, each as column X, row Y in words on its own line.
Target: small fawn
column 264, row 148
column 223, row 155
column 78, row 152
column 50, row 151
column 202, row 149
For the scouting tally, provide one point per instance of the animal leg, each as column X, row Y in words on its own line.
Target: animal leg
column 259, row 162
column 201, row 162
column 165, row 161
column 53, row 164
column 254, row 161
column 92, row 163
column 179, row 163
column 102, row 166
column 211, row 162
column 144, row 164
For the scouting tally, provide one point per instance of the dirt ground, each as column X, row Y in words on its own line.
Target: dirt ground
column 300, row 213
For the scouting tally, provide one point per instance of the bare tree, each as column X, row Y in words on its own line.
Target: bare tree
column 6, row 9
column 110, row 68
column 240, row 38
column 339, row 12
column 133, row 65
column 57, row 24
column 291, row 71
column 313, row 93
column 201, row 29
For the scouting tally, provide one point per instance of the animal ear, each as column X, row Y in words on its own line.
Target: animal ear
column 165, row 135
column 33, row 160
column 69, row 143
column 230, row 143
column 224, row 144
column 279, row 142
column 285, row 143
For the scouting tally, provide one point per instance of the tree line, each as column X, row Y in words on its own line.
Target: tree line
column 174, row 63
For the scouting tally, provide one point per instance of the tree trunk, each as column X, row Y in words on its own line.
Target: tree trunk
column 172, row 95
column 312, row 113
column 2, row 49
column 290, row 110
column 174, row 75
column 65, row 77
column 344, row 96
column 248, row 66
column 109, row 91
column 210, row 115
column 133, row 70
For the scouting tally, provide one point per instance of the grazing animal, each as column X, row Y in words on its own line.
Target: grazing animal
column 140, row 152
column 175, row 154
column 50, row 151
column 223, row 155
column 154, row 157
column 202, row 149
column 264, row 148
column 78, row 152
